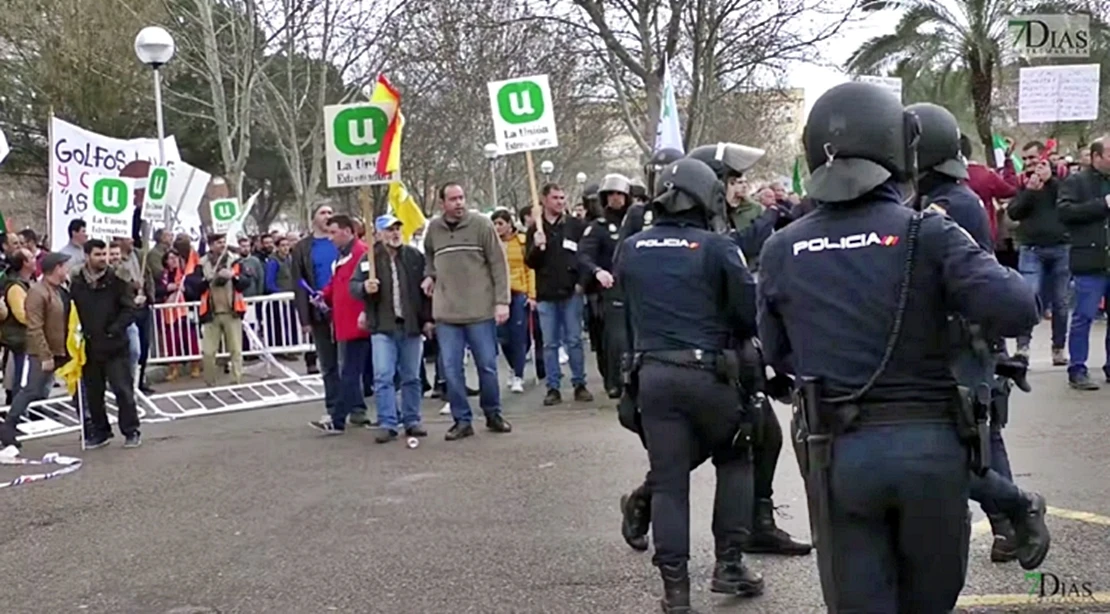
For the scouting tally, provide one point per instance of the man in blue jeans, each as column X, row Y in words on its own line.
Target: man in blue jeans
column 552, row 252
column 1043, row 252
column 467, row 276
column 1084, row 204
column 396, row 311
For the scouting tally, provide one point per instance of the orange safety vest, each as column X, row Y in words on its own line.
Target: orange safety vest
column 173, row 315
column 237, row 303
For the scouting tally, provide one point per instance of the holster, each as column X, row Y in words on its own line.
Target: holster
column 732, row 369
column 628, row 409
column 973, row 422
column 1000, row 404
column 812, row 440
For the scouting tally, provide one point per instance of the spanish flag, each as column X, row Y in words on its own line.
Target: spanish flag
column 405, row 209
column 75, row 347
column 389, row 161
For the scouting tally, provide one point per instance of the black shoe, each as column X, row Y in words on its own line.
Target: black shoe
column 459, row 431
column 472, row 392
column 416, row 430
column 313, row 370
column 581, row 395
column 498, row 424
column 96, row 441
column 732, row 577
column 145, row 388
column 1082, row 381
column 133, row 440
column 553, row 397
column 1033, row 538
column 676, row 590
column 767, row 538
column 439, row 392
column 614, row 393
column 1005, row 544
column 636, row 519
column 385, row 435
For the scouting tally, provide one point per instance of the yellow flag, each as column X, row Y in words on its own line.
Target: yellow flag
column 405, row 209
column 75, row 347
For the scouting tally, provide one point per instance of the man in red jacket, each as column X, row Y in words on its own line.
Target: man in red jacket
column 988, row 184
column 354, row 342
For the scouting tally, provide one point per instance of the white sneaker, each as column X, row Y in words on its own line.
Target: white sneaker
column 9, row 453
column 517, row 385
column 563, row 358
column 446, row 411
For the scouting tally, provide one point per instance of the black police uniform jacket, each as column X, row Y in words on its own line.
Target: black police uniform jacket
column 685, row 288
column 958, row 202
column 829, row 287
column 599, row 245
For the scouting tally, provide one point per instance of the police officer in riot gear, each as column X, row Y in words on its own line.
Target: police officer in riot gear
column 1017, row 518
column 690, row 298
column 854, row 300
column 595, row 252
column 728, row 161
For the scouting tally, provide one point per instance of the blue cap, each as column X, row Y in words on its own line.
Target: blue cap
column 385, row 221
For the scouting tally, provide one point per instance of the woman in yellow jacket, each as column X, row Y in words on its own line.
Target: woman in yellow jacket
column 513, row 334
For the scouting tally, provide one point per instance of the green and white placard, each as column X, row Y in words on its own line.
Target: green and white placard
column 157, row 190
column 523, row 114
column 354, row 136
column 113, row 206
column 225, row 212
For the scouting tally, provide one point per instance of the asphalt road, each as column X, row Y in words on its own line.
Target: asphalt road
column 253, row 512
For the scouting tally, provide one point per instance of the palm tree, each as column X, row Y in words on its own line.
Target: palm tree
column 941, row 37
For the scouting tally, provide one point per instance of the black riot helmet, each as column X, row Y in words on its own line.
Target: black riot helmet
column 727, row 159
column 638, row 190
column 657, row 161
column 590, row 192
column 689, row 185
column 939, row 147
column 857, row 137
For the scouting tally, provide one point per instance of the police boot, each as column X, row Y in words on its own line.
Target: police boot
column 732, row 577
column 636, row 518
column 1005, row 545
column 1032, row 534
column 767, row 538
column 676, row 590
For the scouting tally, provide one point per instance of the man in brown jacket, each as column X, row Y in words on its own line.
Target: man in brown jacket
column 467, row 276
column 45, row 306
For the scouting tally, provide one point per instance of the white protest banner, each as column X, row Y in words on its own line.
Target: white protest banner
column 77, row 156
column 893, row 84
column 4, row 149
column 1067, row 93
column 188, row 186
column 154, row 201
column 354, row 135
column 523, row 114
column 113, row 208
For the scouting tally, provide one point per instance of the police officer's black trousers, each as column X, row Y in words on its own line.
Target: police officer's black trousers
column 595, row 327
column 688, row 416
column 615, row 340
column 765, row 454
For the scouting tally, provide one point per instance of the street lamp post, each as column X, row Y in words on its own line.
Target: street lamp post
column 580, row 179
column 155, row 47
column 547, row 167
column 491, row 152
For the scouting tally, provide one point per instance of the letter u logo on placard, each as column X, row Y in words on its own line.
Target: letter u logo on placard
column 358, row 130
column 520, row 102
column 110, row 196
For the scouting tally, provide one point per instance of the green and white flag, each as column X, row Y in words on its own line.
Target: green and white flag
column 668, row 134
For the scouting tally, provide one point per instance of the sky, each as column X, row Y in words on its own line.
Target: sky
column 824, row 74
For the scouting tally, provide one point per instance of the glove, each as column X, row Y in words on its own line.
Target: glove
column 780, row 388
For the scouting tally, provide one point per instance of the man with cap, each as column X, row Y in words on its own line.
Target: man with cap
column 1016, row 517
column 396, row 313
column 854, row 300
column 47, row 310
column 595, row 254
column 690, row 298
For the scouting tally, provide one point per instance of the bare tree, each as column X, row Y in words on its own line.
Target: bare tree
column 224, row 44
column 443, row 63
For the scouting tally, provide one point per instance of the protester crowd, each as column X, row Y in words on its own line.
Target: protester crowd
column 473, row 286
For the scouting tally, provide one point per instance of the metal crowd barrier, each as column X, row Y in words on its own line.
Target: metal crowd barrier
column 270, row 327
column 177, row 336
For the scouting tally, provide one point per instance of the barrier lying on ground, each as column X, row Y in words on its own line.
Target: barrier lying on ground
column 270, row 328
